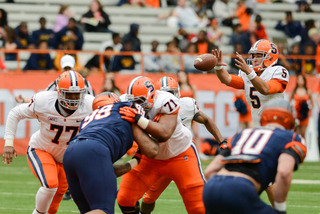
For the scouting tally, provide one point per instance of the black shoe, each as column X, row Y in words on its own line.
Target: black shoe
column 67, row 196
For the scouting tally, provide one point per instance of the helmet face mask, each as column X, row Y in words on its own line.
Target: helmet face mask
column 71, row 90
column 269, row 53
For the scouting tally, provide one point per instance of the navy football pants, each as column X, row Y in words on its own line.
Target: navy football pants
column 233, row 195
column 91, row 178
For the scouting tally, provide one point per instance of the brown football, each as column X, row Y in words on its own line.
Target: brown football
column 205, row 62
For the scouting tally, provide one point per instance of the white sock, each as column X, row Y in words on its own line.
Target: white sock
column 43, row 199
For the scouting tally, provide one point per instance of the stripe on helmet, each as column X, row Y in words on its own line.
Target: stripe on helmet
column 132, row 83
column 257, row 43
column 165, row 82
column 73, row 78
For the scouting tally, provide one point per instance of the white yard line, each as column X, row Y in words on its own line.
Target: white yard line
column 303, row 181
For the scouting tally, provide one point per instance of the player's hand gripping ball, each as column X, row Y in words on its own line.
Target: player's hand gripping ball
column 205, row 62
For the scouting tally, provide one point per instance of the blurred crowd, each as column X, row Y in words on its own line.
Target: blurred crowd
column 206, row 16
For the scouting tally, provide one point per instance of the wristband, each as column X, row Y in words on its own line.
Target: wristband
column 133, row 163
column 282, row 207
column 8, row 142
column 252, row 75
column 218, row 67
column 143, row 122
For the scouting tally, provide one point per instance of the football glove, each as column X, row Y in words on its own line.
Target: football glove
column 224, row 149
column 130, row 114
column 137, row 155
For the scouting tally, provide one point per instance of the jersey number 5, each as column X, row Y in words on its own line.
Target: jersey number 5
column 255, row 99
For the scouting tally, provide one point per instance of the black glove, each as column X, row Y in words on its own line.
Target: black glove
column 224, row 149
column 137, row 155
column 281, row 212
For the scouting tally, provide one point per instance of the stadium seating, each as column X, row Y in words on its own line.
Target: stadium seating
column 151, row 28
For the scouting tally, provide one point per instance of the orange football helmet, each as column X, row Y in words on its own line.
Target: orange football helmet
column 141, row 90
column 168, row 84
column 71, row 89
column 269, row 51
column 279, row 112
column 103, row 99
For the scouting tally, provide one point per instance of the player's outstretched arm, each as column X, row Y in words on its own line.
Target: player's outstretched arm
column 285, row 169
column 222, row 73
column 210, row 125
column 15, row 115
column 148, row 146
column 20, row 99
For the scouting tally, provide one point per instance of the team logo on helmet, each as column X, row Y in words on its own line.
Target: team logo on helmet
column 141, row 90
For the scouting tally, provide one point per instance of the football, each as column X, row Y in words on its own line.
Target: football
column 205, row 62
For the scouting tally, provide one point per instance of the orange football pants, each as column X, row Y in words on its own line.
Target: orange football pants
column 156, row 189
column 184, row 170
column 50, row 173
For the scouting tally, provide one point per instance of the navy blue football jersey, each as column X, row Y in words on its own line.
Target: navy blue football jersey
column 106, row 126
column 263, row 147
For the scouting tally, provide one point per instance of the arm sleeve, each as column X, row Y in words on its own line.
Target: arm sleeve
column 297, row 150
column 16, row 114
column 276, row 86
column 236, row 82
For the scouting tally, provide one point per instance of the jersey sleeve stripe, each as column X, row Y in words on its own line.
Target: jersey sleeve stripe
column 276, row 86
column 298, row 148
column 176, row 111
column 236, row 82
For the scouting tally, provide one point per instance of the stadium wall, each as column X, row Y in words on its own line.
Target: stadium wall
column 214, row 98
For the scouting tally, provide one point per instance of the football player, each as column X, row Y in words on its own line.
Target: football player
column 258, row 157
column 103, row 139
column 177, row 157
column 59, row 113
column 189, row 111
column 261, row 79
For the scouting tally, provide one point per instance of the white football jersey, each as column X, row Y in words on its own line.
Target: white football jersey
column 181, row 139
column 55, row 130
column 255, row 99
column 188, row 110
